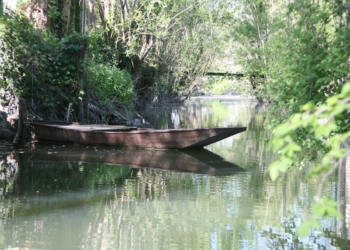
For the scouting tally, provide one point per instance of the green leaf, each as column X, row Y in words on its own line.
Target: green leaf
column 338, row 109
column 332, row 100
column 346, row 89
column 325, row 130
column 304, row 229
column 307, row 106
column 274, row 171
column 319, row 210
column 294, row 147
column 337, row 153
column 282, row 130
column 331, row 203
column 276, row 143
column 331, row 211
column 296, row 120
column 326, row 161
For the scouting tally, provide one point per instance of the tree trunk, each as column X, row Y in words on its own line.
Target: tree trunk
column 81, row 111
column 1, row 7
column 22, row 130
column 66, row 15
column 68, row 112
column 89, row 15
column 347, row 10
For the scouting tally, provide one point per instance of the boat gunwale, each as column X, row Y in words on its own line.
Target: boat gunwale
column 64, row 126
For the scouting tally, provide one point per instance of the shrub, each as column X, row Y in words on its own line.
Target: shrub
column 111, row 83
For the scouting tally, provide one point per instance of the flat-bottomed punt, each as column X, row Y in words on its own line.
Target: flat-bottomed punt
column 132, row 137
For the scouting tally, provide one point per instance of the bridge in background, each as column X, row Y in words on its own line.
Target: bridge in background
column 236, row 75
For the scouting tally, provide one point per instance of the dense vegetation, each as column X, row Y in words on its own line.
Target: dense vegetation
column 133, row 54
column 294, row 55
column 302, row 50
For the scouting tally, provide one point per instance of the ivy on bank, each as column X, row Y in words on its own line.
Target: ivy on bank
column 50, row 73
column 40, row 68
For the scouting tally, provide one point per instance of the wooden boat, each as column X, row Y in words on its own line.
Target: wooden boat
column 121, row 136
column 199, row 161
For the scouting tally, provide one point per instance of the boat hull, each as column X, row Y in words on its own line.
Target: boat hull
column 128, row 137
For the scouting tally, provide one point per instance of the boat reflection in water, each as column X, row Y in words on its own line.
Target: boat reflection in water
column 199, row 161
column 49, row 174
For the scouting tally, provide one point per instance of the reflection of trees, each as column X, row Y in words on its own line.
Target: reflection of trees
column 46, row 177
column 175, row 119
column 96, row 206
column 248, row 147
column 290, row 194
column 342, row 195
column 346, row 196
column 158, row 209
column 8, row 171
column 285, row 237
column 200, row 113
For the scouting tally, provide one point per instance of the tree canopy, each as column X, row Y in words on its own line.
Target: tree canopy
column 82, row 49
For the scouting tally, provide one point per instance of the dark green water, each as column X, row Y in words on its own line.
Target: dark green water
column 60, row 197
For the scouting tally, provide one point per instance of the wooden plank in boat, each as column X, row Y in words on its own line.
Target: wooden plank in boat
column 93, row 127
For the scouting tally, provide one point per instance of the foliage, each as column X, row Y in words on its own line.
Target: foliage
column 252, row 23
column 101, row 52
column 62, row 17
column 163, row 44
column 324, row 123
column 303, row 51
column 224, row 85
column 41, row 69
column 20, row 43
column 221, row 86
column 323, row 208
column 313, row 59
column 111, row 83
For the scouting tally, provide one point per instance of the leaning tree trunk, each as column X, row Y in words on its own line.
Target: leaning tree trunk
column 22, row 130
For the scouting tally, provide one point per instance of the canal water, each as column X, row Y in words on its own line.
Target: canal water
column 64, row 197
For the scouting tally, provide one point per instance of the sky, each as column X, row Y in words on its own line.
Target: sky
column 11, row 4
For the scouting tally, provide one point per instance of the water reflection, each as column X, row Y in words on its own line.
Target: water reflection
column 175, row 118
column 9, row 169
column 201, row 113
column 105, row 198
column 200, row 161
